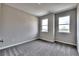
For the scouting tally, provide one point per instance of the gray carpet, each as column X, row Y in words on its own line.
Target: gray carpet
column 40, row 48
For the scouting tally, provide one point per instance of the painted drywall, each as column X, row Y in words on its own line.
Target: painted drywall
column 17, row 26
column 78, row 28
column 68, row 38
column 48, row 36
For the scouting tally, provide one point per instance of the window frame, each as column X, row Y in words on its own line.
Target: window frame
column 63, row 25
column 44, row 25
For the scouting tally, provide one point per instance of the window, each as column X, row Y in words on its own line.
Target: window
column 64, row 24
column 44, row 26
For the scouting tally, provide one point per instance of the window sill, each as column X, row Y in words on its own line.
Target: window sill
column 64, row 32
column 44, row 31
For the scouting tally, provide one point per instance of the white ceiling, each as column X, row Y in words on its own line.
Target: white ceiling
column 41, row 9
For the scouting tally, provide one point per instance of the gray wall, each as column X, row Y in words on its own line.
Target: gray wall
column 17, row 26
column 48, row 36
column 69, row 38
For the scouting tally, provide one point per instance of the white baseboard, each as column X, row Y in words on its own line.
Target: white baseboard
column 48, row 40
column 17, row 44
column 66, row 43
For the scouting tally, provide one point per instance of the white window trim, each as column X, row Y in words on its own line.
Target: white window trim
column 44, row 25
column 63, row 24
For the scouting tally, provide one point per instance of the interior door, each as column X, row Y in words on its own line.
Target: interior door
column 1, row 41
column 69, row 36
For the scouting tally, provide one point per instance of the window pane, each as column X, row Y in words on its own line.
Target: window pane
column 44, row 27
column 45, row 22
column 64, row 20
column 63, row 28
